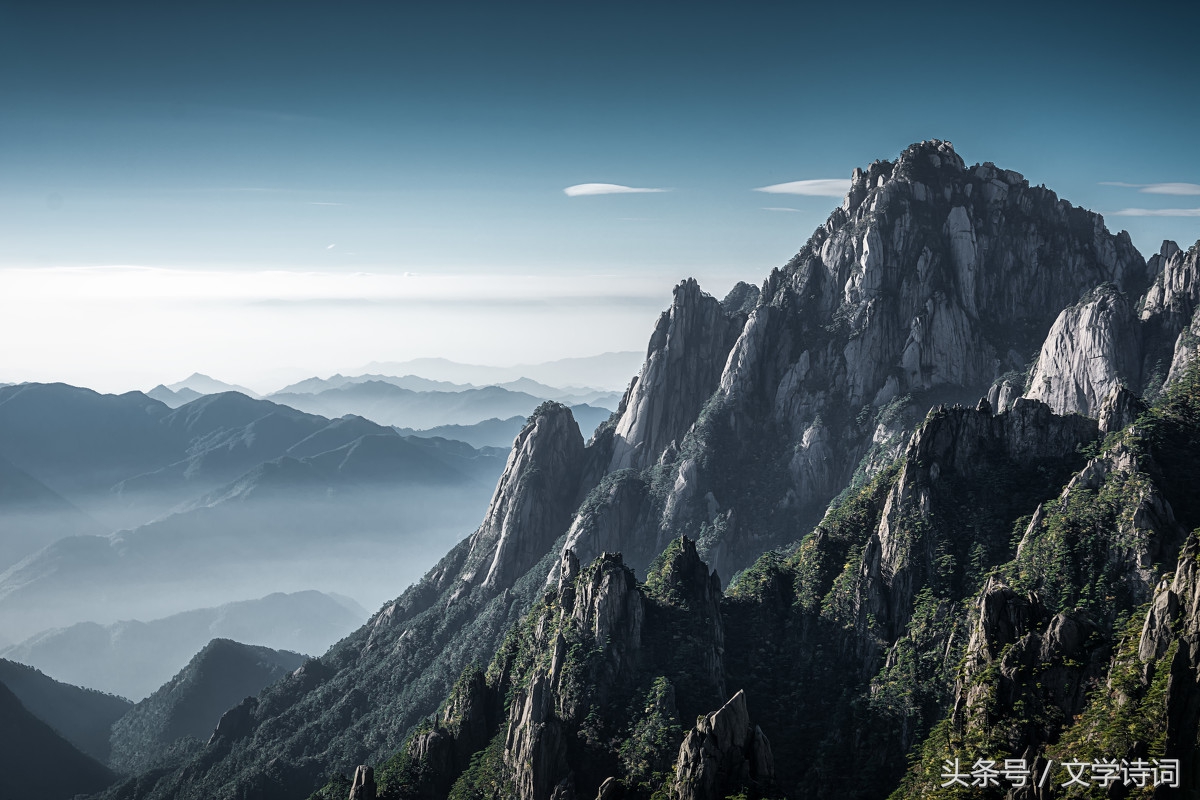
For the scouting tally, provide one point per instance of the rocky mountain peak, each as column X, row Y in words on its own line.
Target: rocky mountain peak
column 722, row 754
column 683, row 366
column 534, row 499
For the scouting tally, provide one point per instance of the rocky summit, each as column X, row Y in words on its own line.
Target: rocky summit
column 926, row 497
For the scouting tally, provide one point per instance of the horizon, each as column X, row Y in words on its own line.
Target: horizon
column 265, row 196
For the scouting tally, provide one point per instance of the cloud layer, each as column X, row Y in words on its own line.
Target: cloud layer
column 588, row 189
column 1157, row 212
column 1159, row 188
column 821, row 187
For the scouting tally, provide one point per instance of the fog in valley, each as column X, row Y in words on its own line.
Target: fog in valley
column 136, row 527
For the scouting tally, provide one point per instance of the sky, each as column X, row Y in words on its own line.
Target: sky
column 265, row 191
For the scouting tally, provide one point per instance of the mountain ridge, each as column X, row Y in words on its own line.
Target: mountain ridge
column 812, row 438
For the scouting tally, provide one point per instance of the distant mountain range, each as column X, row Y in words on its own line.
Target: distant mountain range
column 389, row 404
column 132, row 658
column 419, row 406
column 200, row 383
column 501, row 432
column 610, row 371
column 59, row 741
column 571, row 396
column 171, row 509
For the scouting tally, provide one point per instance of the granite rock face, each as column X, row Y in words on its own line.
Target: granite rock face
column 363, row 787
column 955, row 447
column 534, row 500
column 683, row 366
column 723, row 754
column 1093, row 348
column 932, row 282
column 1106, row 340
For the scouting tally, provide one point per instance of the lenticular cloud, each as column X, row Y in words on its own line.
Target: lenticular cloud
column 587, row 189
column 819, row 187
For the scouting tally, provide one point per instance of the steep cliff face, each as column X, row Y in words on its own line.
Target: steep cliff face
column 1106, row 340
column 1080, row 646
column 533, row 503
column 930, row 283
column 588, row 683
column 683, row 367
column 957, row 455
column 1093, row 347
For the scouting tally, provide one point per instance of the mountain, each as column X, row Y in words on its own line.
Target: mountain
column 35, row 515
column 501, row 432
column 173, row 399
column 388, row 404
column 126, row 459
column 132, row 658
column 84, row 717
column 414, row 383
column 202, row 384
column 191, row 707
column 285, row 525
column 37, row 762
column 828, row 440
column 80, row 443
column 489, row 433
column 608, row 371
column 191, row 504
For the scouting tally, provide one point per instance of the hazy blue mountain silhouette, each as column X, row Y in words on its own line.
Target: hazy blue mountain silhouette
column 133, row 658
column 83, row 717
column 37, row 762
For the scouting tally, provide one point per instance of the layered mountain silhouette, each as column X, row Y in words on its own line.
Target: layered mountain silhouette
column 948, row 456
column 415, row 383
column 143, row 511
column 84, row 717
column 191, row 707
column 132, row 658
column 35, row 761
column 388, row 404
column 609, row 371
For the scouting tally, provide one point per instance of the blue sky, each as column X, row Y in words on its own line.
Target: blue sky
column 437, row 139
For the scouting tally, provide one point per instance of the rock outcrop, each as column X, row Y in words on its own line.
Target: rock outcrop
column 1093, row 347
column 955, row 449
column 575, row 672
column 1187, row 349
column 1106, row 340
column 725, row 753
column 363, row 787
column 534, row 500
column 1040, row 660
column 683, row 366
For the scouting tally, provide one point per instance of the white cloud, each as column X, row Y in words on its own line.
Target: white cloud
column 1157, row 212
column 326, row 204
column 1177, row 189
column 588, row 189
column 820, row 187
column 780, row 208
column 331, row 247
